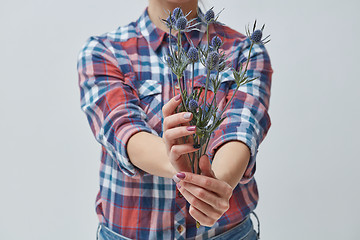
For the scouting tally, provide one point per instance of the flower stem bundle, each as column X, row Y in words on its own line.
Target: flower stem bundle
column 206, row 115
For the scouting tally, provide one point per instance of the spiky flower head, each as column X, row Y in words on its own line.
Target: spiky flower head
column 170, row 21
column 212, row 60
column 170, row 61
column 193, row 105
column 216, row 42
column 181, row 23
column 256, row 36
column 193, row 54
column 177, row 13
column 209, row 15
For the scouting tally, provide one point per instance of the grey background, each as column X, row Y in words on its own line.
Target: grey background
column 307, row 166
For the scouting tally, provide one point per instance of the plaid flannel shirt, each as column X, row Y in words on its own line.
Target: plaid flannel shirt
column 124, row 83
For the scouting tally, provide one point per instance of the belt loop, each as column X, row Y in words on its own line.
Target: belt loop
column 258, row 223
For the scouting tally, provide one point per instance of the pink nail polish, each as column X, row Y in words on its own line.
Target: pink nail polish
column 176, row 179
column 177, row 97
column 180, row 175
column 191, row 128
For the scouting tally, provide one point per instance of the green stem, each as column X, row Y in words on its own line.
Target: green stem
column 247, row 61
column 182, row 94
column 193, row 77
column 206, row 89
column 215, row 91
column 242, row 76
column 172, row 54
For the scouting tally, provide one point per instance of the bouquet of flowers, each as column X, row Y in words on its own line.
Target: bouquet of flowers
column 206, row 117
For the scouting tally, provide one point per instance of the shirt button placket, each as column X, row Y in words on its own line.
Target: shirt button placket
column 180, row 229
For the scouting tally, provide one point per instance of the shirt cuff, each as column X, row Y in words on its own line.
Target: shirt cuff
column 247, row 136
column 127, row 131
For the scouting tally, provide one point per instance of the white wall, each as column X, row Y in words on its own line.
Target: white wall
column 307, row 166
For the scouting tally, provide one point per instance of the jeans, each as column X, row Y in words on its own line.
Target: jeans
column 242, row 231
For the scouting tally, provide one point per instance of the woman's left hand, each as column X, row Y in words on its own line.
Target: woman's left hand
column 207, row 195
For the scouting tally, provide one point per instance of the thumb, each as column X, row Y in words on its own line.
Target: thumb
column 205, row 166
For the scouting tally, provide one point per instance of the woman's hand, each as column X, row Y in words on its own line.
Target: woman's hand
column 173, row 133
column 208, row 196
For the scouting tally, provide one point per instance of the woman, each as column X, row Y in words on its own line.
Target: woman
column 147, row 190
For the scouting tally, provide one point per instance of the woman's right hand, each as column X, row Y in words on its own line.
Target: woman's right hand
column 174, row 131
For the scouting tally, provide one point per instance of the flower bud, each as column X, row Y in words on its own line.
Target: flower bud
column 212, row 60
column 193, row 105
column 256, row 36
column 170, row 21
column 193, row 54
column 216, row 42
column 181, row 23
column 209, row 15
column 177, row 13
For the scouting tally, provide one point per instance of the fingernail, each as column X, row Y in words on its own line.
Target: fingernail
column 176, row 179
column 180, row 175
column 178, row 185
column 177, row 97
column 191, row 128
column 187, row 115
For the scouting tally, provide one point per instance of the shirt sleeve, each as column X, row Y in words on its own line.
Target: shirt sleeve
column 247, row 118
column 110, row 101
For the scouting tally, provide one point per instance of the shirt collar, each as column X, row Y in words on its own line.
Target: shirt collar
column 155, row 36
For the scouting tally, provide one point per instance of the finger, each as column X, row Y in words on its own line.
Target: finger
column 174, row 133
column 222, row 205
column 205, row 166
column 176, row 119
column 200, row 205
column 169, row 107
column 176, row 152
column 217, row 186
column 201, row 217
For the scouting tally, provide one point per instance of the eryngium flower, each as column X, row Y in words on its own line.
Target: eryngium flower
column 212, row 60
column 169, row 61
column 193, row 54
column 181, row 23
column 216, row 42
column 209, row 15
column 193, row 105
column 170, row 21
column 256, row 36
column 177, row 13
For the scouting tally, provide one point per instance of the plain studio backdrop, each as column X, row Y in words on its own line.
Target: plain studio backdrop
column 307, row 166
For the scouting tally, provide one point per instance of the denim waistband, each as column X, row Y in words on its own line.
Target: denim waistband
column 238, row 232
column 241, row 231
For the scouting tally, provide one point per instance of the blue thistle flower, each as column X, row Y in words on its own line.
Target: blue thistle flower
column 181, row 23
column 193, row 54
column 212, row 60
column 193, row 105
column 177, row 13
column 209, row 15
column 256, row 36
column 169, row 61
column 170, row 21
column 216, row 42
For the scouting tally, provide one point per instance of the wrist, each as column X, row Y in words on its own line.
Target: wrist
column 230, row 162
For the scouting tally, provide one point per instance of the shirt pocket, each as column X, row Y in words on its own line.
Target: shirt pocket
column 149, row 88
column 150, row 96
column 200, row 82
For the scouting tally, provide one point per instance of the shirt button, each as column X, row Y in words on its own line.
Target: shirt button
column 180, row 228
column 180, row 195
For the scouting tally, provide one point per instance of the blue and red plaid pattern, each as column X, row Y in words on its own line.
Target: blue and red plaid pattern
column 124, row 83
